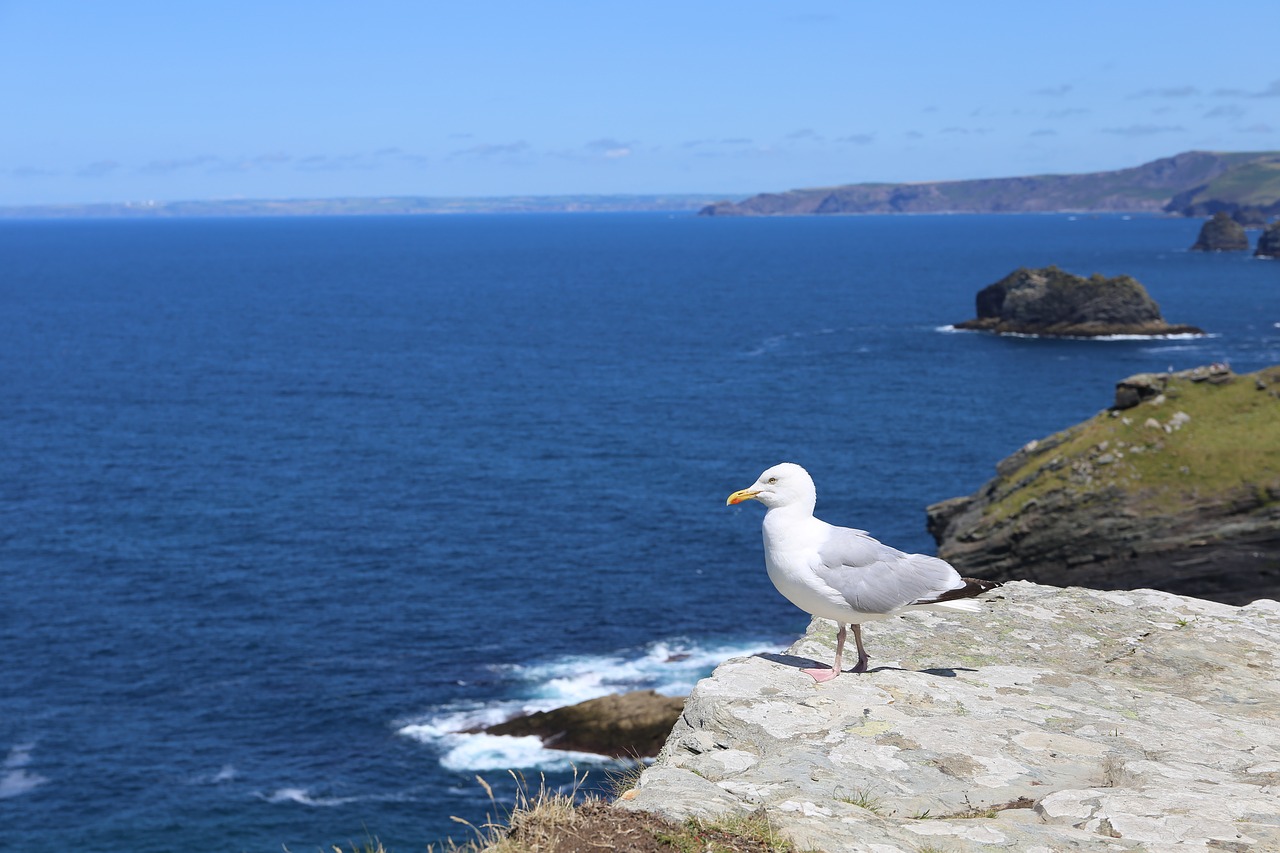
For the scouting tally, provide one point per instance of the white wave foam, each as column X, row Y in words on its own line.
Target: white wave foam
column 303, row 796
column 16, row 779
column 499, row 752
column 669, row 667
column 1183, row 336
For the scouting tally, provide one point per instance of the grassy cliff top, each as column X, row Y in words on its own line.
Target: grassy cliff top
column 1198, row 440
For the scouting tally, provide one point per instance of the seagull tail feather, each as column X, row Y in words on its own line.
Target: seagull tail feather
column 958, row 598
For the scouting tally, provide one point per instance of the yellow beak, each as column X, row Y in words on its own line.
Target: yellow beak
column 740, row 496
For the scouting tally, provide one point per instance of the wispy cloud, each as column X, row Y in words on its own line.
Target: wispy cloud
column 1167, row 92
column 1044, row 131
column 1259, row 127
column 98, row 169
column 857, row 138
column 1145, row 129
column 1227, row 111
column 804, row 133
column 33, row 172
column 1067, row 113
column 1272, row 90
column 167, row 167
column 494, row 150
column 610, row 149
column 1054, row 91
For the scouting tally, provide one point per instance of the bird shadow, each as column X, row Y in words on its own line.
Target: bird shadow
column 808, row 663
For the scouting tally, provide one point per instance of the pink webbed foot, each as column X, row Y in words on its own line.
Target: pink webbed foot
column 821, row 675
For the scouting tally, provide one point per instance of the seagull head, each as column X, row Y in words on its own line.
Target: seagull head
column 786, row 484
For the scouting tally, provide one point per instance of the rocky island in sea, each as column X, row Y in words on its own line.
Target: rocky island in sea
column 1176, row 487
column 1050, row 302
column 1269, row 242
column 1221, row 234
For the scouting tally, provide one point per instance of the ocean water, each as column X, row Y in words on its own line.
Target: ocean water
column 287, row 504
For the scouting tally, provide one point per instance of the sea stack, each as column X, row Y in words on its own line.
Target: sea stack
column 1221, row 234
column 1050, row 302
column 1269, row 242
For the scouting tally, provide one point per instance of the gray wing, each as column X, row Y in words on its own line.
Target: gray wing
column 875, row 578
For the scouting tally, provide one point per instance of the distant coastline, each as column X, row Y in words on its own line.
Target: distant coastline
column 1194, row 183
column 373, row 206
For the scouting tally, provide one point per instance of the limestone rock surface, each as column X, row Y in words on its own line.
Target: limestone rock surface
column 1057, row 720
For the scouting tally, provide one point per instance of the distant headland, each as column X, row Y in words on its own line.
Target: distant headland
column 1194, row 183
column 375, row 206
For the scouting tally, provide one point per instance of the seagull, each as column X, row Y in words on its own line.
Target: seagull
column 843, row 574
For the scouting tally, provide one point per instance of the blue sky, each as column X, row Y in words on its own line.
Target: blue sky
column 127, row 101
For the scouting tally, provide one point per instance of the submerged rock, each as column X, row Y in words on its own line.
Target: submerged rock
column 622, row 725
column 1058, row 720
column 1269, row 242
column 1221, row 234
column 1053, row 303
column 1177, row 487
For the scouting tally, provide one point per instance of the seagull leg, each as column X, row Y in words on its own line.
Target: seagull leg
column 863, row 659
column 821, row 675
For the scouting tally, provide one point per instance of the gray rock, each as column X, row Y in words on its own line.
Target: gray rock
column 1221, row 234
column 1269, row 242
column 1061, row 719
column 1050, row 302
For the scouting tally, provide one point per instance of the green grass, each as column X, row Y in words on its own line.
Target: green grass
column 864, row 800
column 1230, row 443
column 1256, row 183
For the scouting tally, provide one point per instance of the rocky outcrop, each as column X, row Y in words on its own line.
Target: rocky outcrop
column 1269, row 242
column 1053, row 303
column 623, row 725
column 1176, row 487
column 1221, row 234
column 1057, row 720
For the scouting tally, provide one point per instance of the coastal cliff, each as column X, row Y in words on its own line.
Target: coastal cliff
column 1056, row 720
column 1194, row 183
column 1177, row 486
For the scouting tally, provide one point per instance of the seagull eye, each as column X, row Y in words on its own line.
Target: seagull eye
column 772, row 480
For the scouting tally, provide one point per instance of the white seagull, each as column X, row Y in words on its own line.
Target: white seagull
column 843, row 574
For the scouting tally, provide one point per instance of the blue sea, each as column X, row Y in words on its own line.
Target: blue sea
column 288, row 504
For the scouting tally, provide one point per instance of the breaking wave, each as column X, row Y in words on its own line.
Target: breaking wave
column 669, row 667
column 15, row 779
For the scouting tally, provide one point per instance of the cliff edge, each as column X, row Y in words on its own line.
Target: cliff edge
column 1176, row 486
column 1057, row 720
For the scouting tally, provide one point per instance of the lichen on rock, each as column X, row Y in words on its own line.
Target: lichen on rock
column 1061, row 719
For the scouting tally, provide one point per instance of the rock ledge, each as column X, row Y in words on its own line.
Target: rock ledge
column 1060, row 719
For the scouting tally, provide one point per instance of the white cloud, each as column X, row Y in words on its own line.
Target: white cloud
column 1145, row 129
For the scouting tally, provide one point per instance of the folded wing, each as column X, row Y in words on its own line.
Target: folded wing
column 874, row 578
